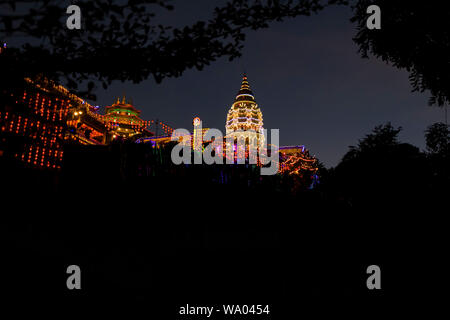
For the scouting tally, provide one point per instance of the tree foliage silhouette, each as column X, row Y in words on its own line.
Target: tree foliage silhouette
column 381, row 137
column 381, row 169
column 438, row 139
column 119, row 40
column 414, row 36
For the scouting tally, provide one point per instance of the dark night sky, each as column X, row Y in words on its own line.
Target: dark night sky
column 308, row 80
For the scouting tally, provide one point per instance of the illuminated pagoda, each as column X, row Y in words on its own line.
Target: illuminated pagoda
column 123, row 120
column 244, row 119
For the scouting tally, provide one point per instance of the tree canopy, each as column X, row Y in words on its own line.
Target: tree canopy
column 414, row 36
column 120, row 40
column 381, row 167
column 381, row 137
column 437, row 137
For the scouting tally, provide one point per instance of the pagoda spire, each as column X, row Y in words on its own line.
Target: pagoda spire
column 245, row 93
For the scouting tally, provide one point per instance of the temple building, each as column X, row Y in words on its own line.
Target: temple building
column 84, row 125
column 245, row 123
column 38, row 120
column 32, row 125
column 244, row 127
column 244, row 119
column 123, row 120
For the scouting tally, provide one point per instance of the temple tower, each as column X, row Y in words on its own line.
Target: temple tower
column 244, row 120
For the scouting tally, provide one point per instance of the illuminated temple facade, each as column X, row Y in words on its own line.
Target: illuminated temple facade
column 244, row 119
column 121, row 121
column 245, row 123
column 44, row 116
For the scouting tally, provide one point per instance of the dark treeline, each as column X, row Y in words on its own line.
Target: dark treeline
column 146, row 232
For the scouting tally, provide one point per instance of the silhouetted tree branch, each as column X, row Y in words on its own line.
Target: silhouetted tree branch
column 119, row 40
column 414, row 36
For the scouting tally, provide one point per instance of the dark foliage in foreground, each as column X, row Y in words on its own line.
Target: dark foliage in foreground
column 414, row 36
column 123, row 40
column 156, row 239
column 126, row 35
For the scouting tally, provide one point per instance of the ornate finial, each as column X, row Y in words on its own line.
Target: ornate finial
column 123, row 100
column 245, row 93
column 245, row 85
column 118, row 100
